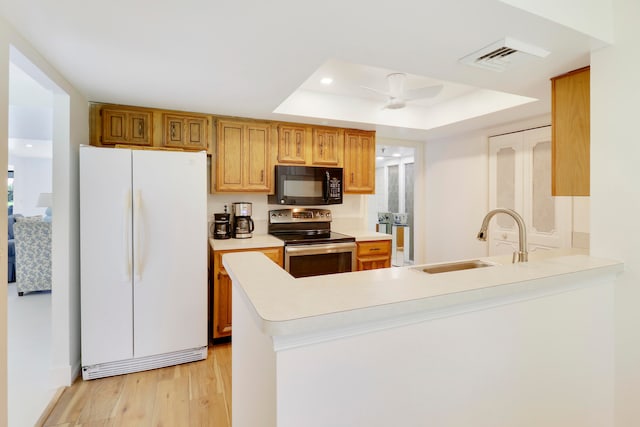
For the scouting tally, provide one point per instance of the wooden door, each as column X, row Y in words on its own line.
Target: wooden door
column 325, row 147
column 291, row 144
column 223, row 324
column 359, row 168
column 257, row 153
column 229, row 158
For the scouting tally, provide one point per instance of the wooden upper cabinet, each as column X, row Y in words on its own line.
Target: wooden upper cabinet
column 185, row 131
column 359, row 162
column 325, row 147
column 291, row 144
column 242, row 157
column 122, row 125
column 570, row 126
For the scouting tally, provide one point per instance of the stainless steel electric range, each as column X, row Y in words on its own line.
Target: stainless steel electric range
column 310, row 247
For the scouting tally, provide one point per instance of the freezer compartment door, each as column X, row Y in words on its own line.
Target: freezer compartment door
column 106, row 254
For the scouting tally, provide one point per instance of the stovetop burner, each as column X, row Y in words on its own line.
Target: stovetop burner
column 304, row 226
column 293, row 238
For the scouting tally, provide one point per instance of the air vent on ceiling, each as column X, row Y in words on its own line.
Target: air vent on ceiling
column 503, row 53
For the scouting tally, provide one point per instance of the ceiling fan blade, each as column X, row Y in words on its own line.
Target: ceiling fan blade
column 423, row 92
column 378, row 91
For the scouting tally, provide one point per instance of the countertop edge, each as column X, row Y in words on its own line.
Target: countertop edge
column 564, row 273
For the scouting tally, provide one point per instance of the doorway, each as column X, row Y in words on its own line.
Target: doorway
column 30, row 158
column 393, row 207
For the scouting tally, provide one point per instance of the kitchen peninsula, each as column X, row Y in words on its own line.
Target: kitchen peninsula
column 524, row 344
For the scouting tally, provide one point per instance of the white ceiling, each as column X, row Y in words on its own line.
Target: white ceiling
column 244, row 58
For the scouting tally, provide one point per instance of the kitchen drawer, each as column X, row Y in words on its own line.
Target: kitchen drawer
column 377, row 247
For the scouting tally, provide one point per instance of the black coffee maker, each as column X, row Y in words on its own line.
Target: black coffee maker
column 221, row 225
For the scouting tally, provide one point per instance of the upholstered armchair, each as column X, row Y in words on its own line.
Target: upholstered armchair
column 11, row 252
column 33, row 255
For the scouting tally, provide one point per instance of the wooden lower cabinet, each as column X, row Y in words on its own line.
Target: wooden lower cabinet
column 222, row 288
column 373, row 254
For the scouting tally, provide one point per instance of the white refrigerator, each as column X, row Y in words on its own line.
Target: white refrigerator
column 143, row 232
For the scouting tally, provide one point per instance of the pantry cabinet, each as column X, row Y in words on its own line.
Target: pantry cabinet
column 520, row 179
column 570, row 115
column 242, row 162
column 372, row 255
column 221, row 303
column 359, row 162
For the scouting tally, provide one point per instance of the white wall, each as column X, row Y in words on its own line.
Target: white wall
column 615, row 197
column 457, row 196
column 32, row 176
column 4, row 146
column 71, row 128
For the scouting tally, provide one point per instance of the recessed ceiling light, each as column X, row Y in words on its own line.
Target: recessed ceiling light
column 396, row 155
column 28, row 145
column 326, row 81
column 379, row 158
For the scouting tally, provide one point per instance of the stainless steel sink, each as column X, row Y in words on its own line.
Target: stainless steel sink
column 455, row 266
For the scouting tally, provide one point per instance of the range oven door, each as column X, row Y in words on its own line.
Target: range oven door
column 319, row 259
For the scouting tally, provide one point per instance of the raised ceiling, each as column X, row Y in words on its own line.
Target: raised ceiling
column 244, row 58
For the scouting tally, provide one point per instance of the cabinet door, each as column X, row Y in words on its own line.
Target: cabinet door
column 359, row 158
column 124, row 126
column 188, row 132
column 229, row 158
column 571, row 133
column 257, row 153
column 373, row 263
column 291, row 144
column 223, row 321
column 325, row 147
column 520, row 179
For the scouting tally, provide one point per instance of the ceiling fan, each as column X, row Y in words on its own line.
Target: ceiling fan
column 397, row 95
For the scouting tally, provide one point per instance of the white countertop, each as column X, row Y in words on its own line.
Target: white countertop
column 268, row 241
column 286, row 305
column 255, row 242
column 364, row 235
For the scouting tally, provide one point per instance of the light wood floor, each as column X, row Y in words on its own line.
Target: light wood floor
column 193, row 394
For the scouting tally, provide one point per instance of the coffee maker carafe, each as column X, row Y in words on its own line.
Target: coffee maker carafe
column 241, row 222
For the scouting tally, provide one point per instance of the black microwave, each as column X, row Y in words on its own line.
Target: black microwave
column 307, row 185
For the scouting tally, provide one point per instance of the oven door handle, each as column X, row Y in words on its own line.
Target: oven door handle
column 323, row 248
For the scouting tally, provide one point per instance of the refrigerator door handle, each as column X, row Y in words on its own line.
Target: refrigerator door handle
column 126, row 225
column 137, row 227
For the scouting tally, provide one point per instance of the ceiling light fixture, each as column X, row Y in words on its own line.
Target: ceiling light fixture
column 379, row 158
column 29, row 145
column 326, row 81
column 396, row 155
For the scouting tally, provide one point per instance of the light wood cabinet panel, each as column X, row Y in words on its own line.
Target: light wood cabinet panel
column 185, row 131
column 570, row 120
column 126, row 126
column 291, row 144
column 373, row 255
column 325, row 147
column 242, row 158
column 221, row 303
column 359, row 162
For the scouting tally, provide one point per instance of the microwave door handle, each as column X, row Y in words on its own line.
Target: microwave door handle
column 326, row 186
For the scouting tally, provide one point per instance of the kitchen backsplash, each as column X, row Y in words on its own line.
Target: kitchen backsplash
column 351, row 214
